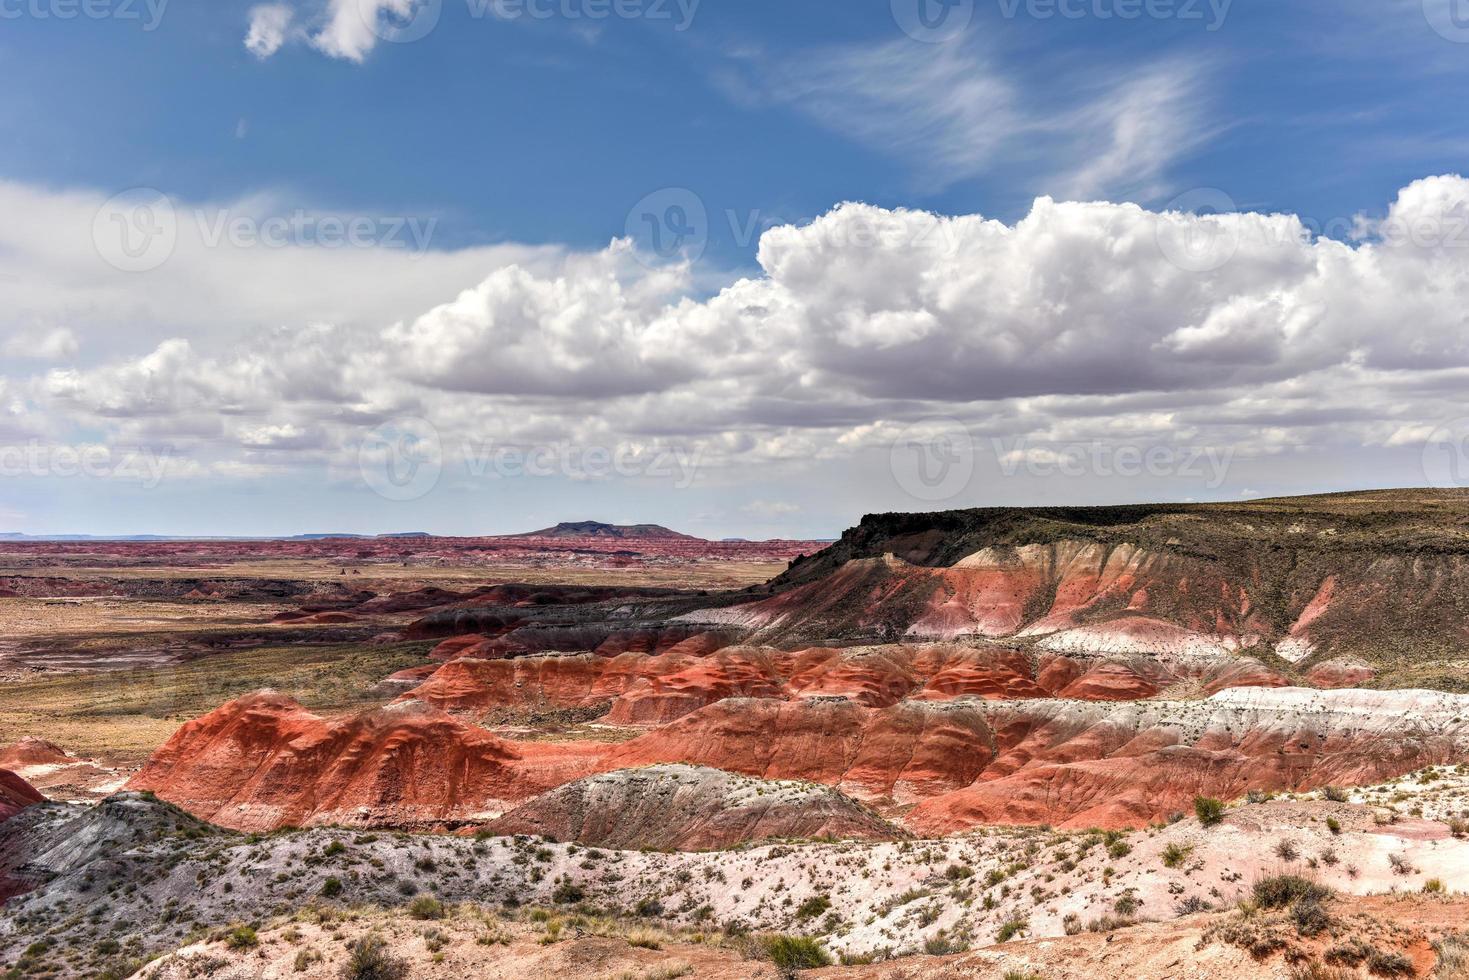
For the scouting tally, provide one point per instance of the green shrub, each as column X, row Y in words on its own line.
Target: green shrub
column 426, row 907
column 1209, row 810
column 331, row 888
column 792, row 953
column 242, row 937
column 1174, row 855
column 1012, row 928
column 568, row 893
column 813, row 907
column 370, row 960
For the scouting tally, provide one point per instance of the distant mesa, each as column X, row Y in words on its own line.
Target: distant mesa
column 596, row 529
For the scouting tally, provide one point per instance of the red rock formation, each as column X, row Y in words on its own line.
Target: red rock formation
column 1339, row 673
column 31, row 751
column 15, row 795
column 458, row 646
column 655, row 695
column 1124, row 765
column 905, row 752
column 263, row 761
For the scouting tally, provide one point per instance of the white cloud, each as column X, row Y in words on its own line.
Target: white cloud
column 55, row 344
column 770, row 508
column 353, row 27
column 1077, row 323
column 270, row 24
column 957, row 110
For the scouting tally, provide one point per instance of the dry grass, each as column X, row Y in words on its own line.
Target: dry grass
column 122, row 716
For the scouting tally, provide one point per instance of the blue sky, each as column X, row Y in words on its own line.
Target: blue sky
column 526, row 143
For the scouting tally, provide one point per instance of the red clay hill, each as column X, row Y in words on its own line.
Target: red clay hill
column 1065, row 666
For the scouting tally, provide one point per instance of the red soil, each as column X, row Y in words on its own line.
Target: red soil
column 15, row 795
column 263, row 761
column 31, row 751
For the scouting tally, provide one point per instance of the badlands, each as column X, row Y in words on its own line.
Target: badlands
column 1153, row 741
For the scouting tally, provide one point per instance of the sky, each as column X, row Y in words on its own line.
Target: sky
column 747, row 268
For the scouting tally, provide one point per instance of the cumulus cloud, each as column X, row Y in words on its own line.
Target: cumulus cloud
column 348, row 30
column 54, row 344
column 270, row 24
column 1079, row 323
column 353, row 27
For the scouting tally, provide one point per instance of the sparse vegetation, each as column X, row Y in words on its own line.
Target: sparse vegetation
column 1209, row 810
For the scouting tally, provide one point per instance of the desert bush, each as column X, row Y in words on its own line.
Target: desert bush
column 1309, row 916
column 568, row 893
column 792, row 953
column 1011, row 928
column 426, row 907
column 1209, row 810
column 1192, row 905
column 1453, row 958
column 1174, row 855
column 813, row 906
column 1387, row 963
column 1278, row 891
column 369, row 960
column 1333, row 825
column 1320, row 971
column 1335, row 794
column 1286, row 849
column 241, row 937
column 331, row 888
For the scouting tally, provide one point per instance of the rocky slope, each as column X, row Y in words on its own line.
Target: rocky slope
column 689, row 808
column 15, row 794
column 151, row 880
column 1375, row 575
column 639, row 689
column 264, row 762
